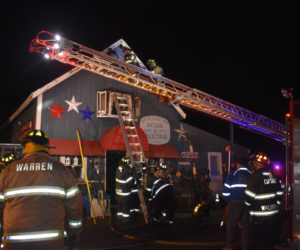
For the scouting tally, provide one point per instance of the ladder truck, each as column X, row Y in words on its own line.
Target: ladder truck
column 176, row 94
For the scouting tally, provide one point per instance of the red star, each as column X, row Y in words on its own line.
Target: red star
column 56, row 110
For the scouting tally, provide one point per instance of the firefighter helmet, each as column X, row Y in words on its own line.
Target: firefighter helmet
column 7, row 158
column 125, row 160
column 38, row 137
column 162, row 165
column 262, row 158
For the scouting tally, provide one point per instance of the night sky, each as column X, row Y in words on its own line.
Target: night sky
column 243, row 54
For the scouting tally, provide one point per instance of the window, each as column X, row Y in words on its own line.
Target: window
column 105, row 106
column 101, row 103
column 215, row 165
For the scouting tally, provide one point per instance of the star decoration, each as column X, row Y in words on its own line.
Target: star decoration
column 73, row 105
column 182, row 133
column 87, row 113
column 56, row 111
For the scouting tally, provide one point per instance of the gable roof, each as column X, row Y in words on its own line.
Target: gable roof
column 117, row 49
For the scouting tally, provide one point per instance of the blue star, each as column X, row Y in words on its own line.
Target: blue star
column 86, row 113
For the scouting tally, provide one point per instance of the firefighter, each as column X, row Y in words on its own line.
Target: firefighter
column 38, row 198
column 163, row 200
column 154, row 67
column 124, row 187
column 234, row 194
column 129, row 56
column 263, row 199
column 6, row 159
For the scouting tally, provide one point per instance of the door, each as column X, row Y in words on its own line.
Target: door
column 113, row 158
column 215, row 172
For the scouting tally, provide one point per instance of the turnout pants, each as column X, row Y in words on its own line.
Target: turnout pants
column 264, row 234
column 164, row 201
column 236, row 213
column 123, row 206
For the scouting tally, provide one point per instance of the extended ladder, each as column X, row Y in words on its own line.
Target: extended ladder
column 67, row 51
column 132, row 142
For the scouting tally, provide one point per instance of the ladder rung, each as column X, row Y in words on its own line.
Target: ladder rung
column 137, row 152
column 125, row 111
column 123, row 104
column 132, row 135
column 121, row 98
column 129, row 127
column 127, row 119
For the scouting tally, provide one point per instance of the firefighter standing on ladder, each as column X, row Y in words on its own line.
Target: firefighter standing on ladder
column 38, row 199
column 263, row 199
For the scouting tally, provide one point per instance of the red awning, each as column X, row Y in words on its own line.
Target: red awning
column 71, row 147
column 112, row 139
column 162, row 151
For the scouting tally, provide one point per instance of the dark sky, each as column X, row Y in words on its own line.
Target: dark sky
column 243, row 54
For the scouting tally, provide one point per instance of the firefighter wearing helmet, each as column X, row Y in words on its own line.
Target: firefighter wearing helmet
column 163, row 200
column 124, row 188
column 39, row 199
column 6, row 159
column 263, row 201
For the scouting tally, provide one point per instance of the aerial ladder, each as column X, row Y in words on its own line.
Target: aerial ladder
column 66, row 51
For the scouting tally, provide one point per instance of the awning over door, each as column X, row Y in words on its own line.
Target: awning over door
column 112, row 139
column 71, row 147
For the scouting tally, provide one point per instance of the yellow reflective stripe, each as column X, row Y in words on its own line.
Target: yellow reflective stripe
column 34, row 190
column 264, row 196
column 72, row 192
column 34, row 236
column 249, row 193
column 124, row 181
column 75, row 223
column 263, row 213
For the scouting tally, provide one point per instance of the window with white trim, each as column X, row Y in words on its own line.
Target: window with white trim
column 105, row 106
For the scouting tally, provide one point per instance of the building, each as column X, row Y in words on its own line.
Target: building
column 81, row 100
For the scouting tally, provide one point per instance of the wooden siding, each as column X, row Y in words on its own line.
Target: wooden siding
column 84, row 86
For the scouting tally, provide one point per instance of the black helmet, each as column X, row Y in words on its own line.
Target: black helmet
column 125, row 160
column 7, row 158
column 38, row 137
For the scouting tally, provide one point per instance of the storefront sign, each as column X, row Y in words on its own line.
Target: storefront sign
column 156, row 128
column 190, row 155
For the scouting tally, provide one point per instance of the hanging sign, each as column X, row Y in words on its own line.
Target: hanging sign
column 156, row 128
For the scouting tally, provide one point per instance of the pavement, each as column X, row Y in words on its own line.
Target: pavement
column 109, row 233
column 183, row 234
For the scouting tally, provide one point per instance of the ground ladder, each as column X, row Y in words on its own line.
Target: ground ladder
column 132, row 142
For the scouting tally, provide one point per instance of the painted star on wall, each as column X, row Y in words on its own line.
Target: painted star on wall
column 87, row 113
column 56, row 111
column 73, row 105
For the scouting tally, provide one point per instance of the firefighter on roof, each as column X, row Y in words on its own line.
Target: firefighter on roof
column 163, row 201
column 124, row 187
column 154, row 67
column 38, row 198
column 263, row 200
column 129, row 56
